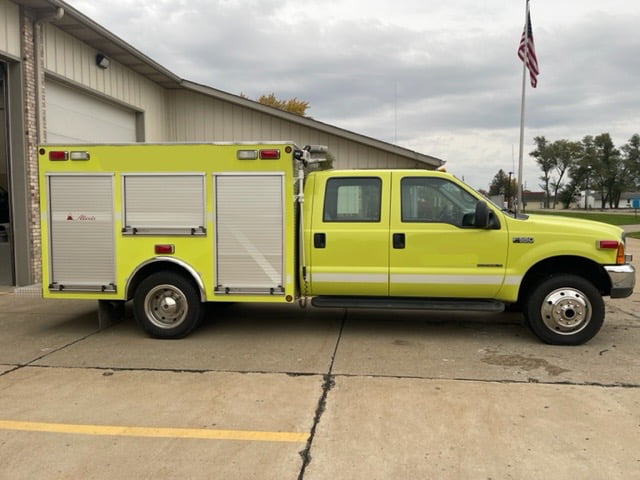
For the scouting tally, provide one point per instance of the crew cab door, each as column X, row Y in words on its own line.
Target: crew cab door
column 435, row 251
column 348, row 239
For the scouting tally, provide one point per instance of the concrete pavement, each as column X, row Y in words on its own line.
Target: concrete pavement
column 275, row 392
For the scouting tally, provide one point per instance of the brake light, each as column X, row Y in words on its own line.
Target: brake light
column 270, row 154
column 607, row 244
column 165, row 249
column 57, row 155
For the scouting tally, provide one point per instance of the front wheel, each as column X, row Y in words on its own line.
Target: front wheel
column 565, row 310
column 167, row 305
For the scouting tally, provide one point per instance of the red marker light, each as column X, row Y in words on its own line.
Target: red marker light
column 58, row 155
column 608, row 244
column 165, row 249
column 271, row 154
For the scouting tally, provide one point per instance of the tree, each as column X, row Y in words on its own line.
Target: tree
column 594, row 164
column 545, row 158
column 565, row 154
column 500, row 186
column 631, row 160
column 293, row 105
column 570, row 193
column 606, row 168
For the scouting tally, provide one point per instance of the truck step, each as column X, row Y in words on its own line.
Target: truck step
column 404, row 303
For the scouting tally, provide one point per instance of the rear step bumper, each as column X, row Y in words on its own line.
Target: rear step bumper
column 404, row 303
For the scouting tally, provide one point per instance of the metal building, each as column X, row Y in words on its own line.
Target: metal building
column 64, row 78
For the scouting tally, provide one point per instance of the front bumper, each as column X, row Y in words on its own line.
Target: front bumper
column 623, row 279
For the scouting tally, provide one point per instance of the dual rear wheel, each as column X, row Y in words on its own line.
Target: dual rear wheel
column 167, row 305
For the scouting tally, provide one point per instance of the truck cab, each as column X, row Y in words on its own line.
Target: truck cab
column 423, row 239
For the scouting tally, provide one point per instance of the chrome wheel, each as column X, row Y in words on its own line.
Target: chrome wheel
column 166, row 306
column 566, row 311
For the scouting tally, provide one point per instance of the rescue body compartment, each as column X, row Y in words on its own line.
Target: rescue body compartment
column 123, row 210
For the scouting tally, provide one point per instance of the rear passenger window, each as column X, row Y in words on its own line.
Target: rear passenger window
column 353, row 199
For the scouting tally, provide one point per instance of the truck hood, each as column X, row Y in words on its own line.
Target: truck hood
column 576, row 226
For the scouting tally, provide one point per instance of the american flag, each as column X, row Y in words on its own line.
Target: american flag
column 532, row 60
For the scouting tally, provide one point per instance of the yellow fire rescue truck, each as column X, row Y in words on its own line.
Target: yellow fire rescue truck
column 173, row 226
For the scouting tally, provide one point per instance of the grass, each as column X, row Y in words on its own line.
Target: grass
column 611, row 218
column 634, row 235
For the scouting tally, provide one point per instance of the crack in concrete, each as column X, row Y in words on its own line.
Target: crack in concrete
column 327, row 386
column 50, row 352
column 334, row 376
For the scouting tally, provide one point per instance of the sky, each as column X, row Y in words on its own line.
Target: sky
column 438, row 77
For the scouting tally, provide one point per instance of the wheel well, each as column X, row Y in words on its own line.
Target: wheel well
column 578, row 266
column 162, row 266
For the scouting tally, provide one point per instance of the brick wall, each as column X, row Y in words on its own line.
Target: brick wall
column 31, row 141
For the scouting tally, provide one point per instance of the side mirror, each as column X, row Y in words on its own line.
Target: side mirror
column 481, row 218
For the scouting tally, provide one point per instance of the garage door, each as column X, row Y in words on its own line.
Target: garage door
column 75, row 117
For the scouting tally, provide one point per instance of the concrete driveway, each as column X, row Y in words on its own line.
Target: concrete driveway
column 277, row 392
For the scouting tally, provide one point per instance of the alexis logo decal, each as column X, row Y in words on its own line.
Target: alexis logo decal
column 81, row 218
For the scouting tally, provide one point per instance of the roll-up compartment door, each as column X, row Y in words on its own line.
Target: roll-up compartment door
column 249, row 233
column 81, row 232
column 164, row 204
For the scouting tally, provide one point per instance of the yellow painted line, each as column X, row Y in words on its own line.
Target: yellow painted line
column 124, row 431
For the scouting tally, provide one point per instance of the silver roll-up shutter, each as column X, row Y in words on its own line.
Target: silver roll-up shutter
column 249, row 233
column 81, row 232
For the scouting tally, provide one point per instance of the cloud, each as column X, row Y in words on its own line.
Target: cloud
column 439, row 77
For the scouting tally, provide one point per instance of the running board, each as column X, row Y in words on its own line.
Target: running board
column 404, row 303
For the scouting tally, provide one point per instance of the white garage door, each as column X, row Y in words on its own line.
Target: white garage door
column 75, row 117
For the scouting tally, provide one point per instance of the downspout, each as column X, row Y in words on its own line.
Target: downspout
column 38, row 67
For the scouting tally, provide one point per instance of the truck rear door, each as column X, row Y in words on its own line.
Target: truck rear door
column 435, row 251
column 349, row 237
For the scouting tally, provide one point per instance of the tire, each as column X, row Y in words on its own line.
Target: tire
column 564, row 310
column 167, row 305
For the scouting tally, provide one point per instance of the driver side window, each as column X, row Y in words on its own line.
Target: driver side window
column 435, row 200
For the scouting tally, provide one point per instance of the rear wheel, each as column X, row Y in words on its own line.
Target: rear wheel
column 565, row 310
column 167, row 305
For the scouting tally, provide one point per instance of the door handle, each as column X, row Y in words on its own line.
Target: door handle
column 319, row 240
column 398, row 240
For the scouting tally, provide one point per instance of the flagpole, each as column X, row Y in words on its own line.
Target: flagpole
column 519, row 204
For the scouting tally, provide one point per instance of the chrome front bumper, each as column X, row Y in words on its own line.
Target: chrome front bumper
column 623, row 279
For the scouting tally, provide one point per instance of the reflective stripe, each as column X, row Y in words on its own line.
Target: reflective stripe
column 513, row 279
column 350, row 277
column 416, row 279
column 448, row 279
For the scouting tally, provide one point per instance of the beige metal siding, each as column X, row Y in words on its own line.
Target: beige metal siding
column 70, row 59
column 196, row 117
column 9, row 28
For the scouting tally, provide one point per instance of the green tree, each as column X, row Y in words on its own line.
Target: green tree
column 545, row 158
column 606, row 168
column 570, row 193
column 500, row 186
column 631, row 160
column 565, row 155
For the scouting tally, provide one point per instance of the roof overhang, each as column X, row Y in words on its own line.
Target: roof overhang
column 88, row 31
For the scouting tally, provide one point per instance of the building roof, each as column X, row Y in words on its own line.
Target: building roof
column 91, row 33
